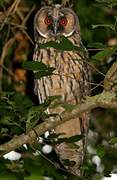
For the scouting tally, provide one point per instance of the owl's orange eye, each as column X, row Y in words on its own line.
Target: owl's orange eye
column 48, row 20
column 63, row 21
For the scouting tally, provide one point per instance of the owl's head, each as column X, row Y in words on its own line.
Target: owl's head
column 54, row 21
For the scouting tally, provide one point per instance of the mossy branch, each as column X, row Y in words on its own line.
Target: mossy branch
column 105, row 100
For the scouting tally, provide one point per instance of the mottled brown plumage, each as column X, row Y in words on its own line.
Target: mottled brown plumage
column 70, row 79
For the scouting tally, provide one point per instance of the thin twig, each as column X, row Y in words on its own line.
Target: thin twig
column 8, row 71
column 28, row 15
column 13, row 7
column 97, row 85
column 3, row 55
column 29, row 38
column 97, row 49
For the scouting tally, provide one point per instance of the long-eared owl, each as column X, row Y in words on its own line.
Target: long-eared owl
column 70, row 80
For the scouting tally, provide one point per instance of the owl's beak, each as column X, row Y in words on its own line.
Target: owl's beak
column 55, row 29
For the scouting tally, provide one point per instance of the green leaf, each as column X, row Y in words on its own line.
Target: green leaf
column 42, row 73
column 40, row 68
column 4, row 131
column 6, row 120
column 34, row 177
column 34, row 114
column 67, row 162
column 106, row 53
column 53, row 137
column 22, row 102
column 96, row 45
column 64, row 45
column 101, row 151
column 75, row 138
column 113, row 141
column 73, row 145
column 33, row 166
column 34, row 65
column 71, row 139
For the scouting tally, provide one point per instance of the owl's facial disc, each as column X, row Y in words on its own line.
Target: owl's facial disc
column 56, row 21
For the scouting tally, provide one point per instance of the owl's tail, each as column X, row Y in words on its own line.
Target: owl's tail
column 72, row 156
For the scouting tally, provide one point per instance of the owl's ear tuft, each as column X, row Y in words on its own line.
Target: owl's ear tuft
column 46, row 3
column 67, row 3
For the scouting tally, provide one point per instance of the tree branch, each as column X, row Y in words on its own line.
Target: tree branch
column 105, row 100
